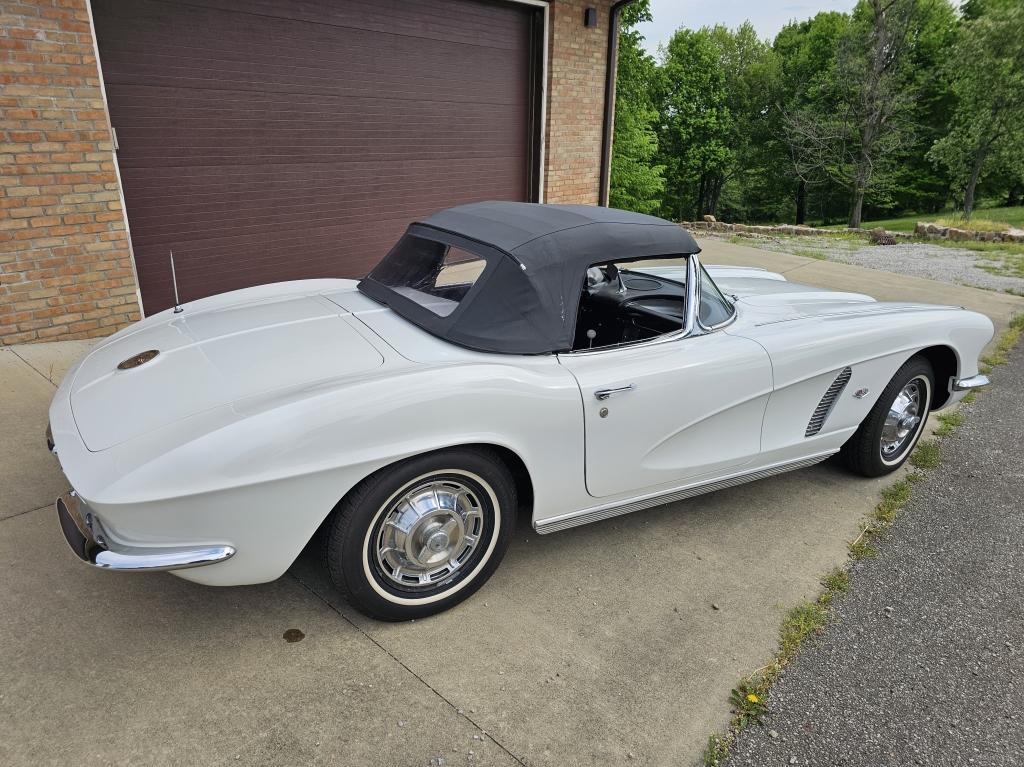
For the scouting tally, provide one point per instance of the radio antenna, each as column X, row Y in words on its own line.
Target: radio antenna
column 174, row 280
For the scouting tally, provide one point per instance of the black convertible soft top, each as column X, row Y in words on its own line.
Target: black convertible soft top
column 525, row 299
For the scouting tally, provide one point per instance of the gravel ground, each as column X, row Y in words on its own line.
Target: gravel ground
column 958, row 266
column 925, row 664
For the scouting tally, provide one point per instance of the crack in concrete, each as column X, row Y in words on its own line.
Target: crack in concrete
column 49, row 380
column 23, row 513
column 456, row 709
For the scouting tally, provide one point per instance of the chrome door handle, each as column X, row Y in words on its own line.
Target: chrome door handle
column 603, row 394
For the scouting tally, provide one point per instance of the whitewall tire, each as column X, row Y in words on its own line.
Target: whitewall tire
column 422, row 535
column 891, row 430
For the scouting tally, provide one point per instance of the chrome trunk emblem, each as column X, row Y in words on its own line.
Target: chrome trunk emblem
column 139, row 359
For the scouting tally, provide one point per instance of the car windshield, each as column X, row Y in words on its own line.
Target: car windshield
column 434, row 274
column 714, row 308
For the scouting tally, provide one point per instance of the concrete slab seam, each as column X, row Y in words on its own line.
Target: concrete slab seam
column 397, row 660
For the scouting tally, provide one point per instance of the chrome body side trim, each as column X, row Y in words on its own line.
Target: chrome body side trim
column 645, row 502
column 967, row 384
column 91, row 543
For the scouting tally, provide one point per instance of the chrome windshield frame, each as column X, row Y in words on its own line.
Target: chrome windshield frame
column 692, row 295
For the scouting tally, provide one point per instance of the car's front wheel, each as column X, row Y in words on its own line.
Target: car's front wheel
column 887, row 436
column 421, row 536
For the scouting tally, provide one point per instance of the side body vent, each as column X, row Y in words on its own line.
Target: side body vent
column 825, row 406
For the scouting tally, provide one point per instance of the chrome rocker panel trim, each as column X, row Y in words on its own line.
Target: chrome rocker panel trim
column 91, row 544
column 645, row 502
column 967, row 384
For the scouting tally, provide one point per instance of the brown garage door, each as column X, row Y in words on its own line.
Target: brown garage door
column 269, row 140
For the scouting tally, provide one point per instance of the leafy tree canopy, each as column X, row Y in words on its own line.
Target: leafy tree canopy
column 898, row 106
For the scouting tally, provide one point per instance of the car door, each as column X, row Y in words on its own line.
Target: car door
column 669, row 411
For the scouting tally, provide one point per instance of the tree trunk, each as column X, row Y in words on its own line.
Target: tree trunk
column 857, row 208
column 716, row 193
column 1013, row 196
column 972, row 184
column 801, row 202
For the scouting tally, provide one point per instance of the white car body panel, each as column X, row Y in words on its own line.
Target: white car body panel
column 267, row 405
column 689, row 395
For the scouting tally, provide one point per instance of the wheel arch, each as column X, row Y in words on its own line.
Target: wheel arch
column 509, row 458
column 945, row 365
column 520, row 474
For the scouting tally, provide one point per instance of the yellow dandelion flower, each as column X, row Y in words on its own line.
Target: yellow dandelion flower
column 753, row 698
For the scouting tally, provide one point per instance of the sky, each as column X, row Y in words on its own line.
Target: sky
column 767, row 16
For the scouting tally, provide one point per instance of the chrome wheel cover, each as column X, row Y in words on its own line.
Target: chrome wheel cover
column 429, row 534
column 904, row 419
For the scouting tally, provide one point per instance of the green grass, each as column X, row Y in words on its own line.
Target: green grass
column 809, row 253
column 1006, row 342
column 927, row 455
column 894, row 498
column 950, row 421
column 1003, row 217
column 974, row 225
column 749, row 698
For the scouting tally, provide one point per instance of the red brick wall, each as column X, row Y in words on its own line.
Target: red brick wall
column 65, row 268
column 576, row 81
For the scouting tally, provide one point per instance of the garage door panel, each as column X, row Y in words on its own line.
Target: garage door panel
column 200, row 48
column 314, row 257
column 424, row 19
column 284, row 140
column 167, row 187
column 145, row 102
column 176, row 148
column 239, row 210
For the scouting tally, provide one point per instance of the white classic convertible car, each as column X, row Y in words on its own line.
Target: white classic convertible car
column 569, row 363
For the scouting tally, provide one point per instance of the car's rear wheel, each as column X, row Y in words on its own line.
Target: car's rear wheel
column 887, row 436
column 421, row 536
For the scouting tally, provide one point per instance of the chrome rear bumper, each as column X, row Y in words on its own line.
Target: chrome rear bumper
column 90, row 542
column 967, row 384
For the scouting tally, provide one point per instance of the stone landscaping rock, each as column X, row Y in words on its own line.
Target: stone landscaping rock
column 881, row 237
column 709, row 218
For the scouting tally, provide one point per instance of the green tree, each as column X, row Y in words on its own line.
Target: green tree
column 910, row 181
column 636, row 181
column 715, row 93
column 867, row 117
column 806, row 53
column 986, row 73
column 746, row 185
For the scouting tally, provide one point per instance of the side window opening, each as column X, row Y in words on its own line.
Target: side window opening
column 624, row 303
column 435, row 275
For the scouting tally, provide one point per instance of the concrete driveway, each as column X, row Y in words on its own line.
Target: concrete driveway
column 609, row 644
